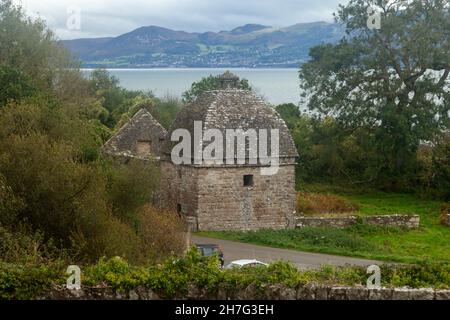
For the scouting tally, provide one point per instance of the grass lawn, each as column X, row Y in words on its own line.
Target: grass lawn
column 429, row 244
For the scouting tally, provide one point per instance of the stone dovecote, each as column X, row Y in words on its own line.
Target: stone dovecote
column 219, row 196
column 231, row 197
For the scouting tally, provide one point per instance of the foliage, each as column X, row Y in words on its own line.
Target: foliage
column 115, row 271
column 290, row 113
column 386, row 90
column 21, row 282
column 25, row 247
column 209, row 83
column 166, row 110
column 437, row 167
column 162, row 234
column 10, row 204
column 59, row 200
column 14, row 85
column 311, row 203
column 348, row 159
column 130, row 186
column 175, row 277
column 428, row 243
column 114, row 100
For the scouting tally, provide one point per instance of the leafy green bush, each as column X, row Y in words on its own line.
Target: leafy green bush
column 22, row 246
column 417, row 276
column 130, row 186
column 173, row 278
column 161, row 234
column 21, row 282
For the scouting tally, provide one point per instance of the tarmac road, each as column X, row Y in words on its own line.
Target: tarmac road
column 303, row 260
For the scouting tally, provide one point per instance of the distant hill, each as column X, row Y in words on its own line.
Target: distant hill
column 252, row 45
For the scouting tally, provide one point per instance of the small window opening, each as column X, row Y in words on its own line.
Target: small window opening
column 248, row 180
column 144, row 148
column 182, row 209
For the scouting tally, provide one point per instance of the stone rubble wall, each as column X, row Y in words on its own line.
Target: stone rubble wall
column 401, row 221
column 270, row 292
column 224, row 204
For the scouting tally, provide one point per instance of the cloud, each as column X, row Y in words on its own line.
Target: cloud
column 114, row 17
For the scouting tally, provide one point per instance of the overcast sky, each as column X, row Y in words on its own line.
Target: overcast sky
column 114, row 17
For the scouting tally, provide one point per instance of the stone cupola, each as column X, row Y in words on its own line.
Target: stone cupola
column 228, row 80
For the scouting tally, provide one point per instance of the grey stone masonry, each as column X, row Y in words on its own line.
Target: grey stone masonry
column 269, row 292
column 231, row 195
column 398, row 220
column 142, row 137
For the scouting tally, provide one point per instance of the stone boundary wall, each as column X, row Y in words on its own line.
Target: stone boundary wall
column 398, row 220
column 271, row 292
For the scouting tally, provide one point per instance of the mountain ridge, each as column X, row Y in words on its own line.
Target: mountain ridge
column 250, row 45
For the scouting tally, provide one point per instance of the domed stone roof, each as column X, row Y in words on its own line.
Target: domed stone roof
column 231, row 108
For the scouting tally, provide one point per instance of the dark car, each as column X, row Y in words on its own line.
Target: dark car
column 208, row 250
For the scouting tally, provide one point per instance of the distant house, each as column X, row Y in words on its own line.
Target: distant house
column 215, row 197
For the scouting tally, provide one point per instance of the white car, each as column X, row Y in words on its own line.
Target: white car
column 246, row 263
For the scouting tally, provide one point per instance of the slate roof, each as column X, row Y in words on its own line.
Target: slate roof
column 141, row 127
column 232, row 108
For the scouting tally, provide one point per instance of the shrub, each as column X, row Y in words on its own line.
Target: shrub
column 116, row 272
column 161, row 234
column 312, row 203
column 20, row 282
column 26, row 247
column 173, row 278
column 10, row 204
column 130, row 186
column 417, row 276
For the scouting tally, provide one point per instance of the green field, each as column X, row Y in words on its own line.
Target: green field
column 430, row 243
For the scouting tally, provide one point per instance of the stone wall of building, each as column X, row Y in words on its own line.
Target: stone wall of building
column 270, row 292
column 179, row 188
column 215, row 199
column 398, row 220
column 141, row 137
column 226, row 204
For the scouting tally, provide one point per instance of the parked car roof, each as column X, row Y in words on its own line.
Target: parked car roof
column 245, row 262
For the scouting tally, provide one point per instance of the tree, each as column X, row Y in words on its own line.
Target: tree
column 166, row 110
column 394, row 81
column 115, row 100
column 290, row 114
column 30, row 48
column 54, row 186
column 14, row 85
column 209, row 83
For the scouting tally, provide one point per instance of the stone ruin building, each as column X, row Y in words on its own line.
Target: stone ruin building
column 219, row 196
column 142, row 137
